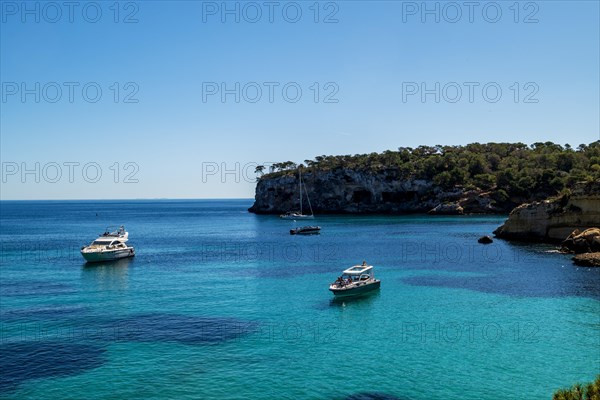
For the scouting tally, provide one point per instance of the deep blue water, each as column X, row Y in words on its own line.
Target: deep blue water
column 219, row 303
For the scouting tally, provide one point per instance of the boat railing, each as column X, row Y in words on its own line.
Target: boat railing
column 114, row 231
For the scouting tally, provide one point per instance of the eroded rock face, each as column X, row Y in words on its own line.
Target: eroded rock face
column 554, row 220
column 587, row 241
column 348, row 191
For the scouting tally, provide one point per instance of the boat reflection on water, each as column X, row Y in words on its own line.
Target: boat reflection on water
column 362, row 299
column 113, row 275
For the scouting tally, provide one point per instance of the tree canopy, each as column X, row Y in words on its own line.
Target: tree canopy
column 509, row 169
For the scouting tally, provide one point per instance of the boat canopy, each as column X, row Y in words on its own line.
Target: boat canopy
column 359, row 270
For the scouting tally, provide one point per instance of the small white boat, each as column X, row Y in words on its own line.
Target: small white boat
column 356, row 280
column 108, row 247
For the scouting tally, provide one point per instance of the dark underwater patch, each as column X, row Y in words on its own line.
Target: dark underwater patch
column 180, row 328
column 21, row 362
column 34, row 288
column 537, row 283
column 48, row 312
column 374, row 396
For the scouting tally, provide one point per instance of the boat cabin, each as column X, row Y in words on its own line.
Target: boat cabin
column 109, row 242
column 358, row 273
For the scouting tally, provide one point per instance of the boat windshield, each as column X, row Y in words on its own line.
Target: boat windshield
column 106, row 242
column 358, row 277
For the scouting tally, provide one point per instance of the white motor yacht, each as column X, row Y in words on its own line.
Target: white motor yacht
column 109, row 246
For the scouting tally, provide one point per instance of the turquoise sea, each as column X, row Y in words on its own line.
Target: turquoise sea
column 223, row 304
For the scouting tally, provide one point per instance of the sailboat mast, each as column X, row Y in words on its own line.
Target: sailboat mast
column 300, row 187
column 308, row 199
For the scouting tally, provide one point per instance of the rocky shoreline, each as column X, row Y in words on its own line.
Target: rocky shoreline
column 478, row 178
column 571, row 220
column 553, row 220
column 347, row 191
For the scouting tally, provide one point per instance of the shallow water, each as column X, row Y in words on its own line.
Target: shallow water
column 220, row 303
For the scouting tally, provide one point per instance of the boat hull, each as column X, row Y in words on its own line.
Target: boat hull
column 110, row 255
column 297, row 217
column 356, row 290
column 305, row 231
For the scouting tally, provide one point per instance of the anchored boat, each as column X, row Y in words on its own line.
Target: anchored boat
column 299, row 214
column 355, row 280
column 109, row 246
column 306, row 230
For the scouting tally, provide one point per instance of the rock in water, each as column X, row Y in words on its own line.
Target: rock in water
column 587, row 260
column 485, row 240
column 447, row 209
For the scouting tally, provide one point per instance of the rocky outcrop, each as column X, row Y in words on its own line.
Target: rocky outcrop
column 447, row 209
column 578, row 242
column 350, row 191
column 587, row 260
column 553, row 220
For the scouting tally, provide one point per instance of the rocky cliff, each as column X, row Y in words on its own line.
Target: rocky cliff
column 555, row 219
column 353, row 191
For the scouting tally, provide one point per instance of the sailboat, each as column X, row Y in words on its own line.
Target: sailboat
column 299, row 214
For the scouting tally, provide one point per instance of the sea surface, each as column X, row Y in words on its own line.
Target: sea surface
column 223, row 304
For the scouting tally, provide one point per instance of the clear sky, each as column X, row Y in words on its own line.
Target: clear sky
column 195, row 94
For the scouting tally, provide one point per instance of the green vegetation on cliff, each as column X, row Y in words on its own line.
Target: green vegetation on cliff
column 513, row 172
column 590, row 391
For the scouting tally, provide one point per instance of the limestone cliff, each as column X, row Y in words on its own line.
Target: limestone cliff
column 350, row 191
column 555, row 219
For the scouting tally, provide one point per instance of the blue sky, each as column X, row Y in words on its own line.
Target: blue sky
column 361, row 70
